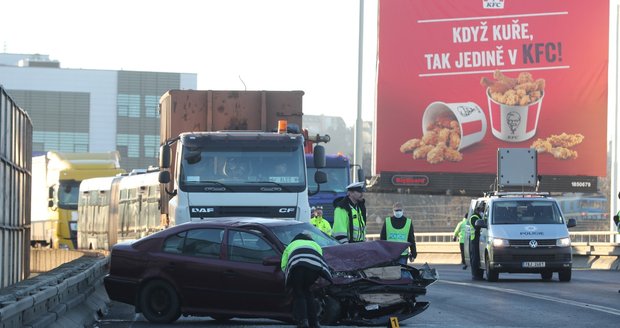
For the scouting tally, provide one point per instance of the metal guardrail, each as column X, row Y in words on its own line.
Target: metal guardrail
column 587, row 237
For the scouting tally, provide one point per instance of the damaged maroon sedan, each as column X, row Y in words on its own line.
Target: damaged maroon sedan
column 230, row 267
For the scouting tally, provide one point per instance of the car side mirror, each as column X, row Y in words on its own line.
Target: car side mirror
column 571, row 223
column 480, row 223
column 272, row 261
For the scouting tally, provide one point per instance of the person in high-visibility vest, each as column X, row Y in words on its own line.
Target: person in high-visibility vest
column 302, row 263
column 350, row 215
column 320, row 222
column 459, row 233
column 474, row 234
column 400, row 228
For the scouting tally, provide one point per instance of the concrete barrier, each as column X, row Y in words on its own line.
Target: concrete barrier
column 70, row 295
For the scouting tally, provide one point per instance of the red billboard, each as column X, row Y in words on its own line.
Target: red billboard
column 459, row 79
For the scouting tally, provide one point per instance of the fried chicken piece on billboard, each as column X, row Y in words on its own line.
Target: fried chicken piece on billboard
column 422, row 151
column 436, row 155
column 410, row 145
column 565, row 140
column 563, row 153
column 542, row 146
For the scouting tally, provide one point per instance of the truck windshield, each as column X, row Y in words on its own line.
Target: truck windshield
column 526, row 212
column 337, row 179
column 68, row 192
column 246, row 168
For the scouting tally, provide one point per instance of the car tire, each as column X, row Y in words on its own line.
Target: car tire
column 565, row 275
column 159, row 302
column 329, row 310
column 546, row 275
column 492, row 275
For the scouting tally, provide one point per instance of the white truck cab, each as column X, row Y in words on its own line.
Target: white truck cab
column 518, row 231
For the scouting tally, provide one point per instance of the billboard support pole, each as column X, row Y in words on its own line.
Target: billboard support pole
column 359, row 131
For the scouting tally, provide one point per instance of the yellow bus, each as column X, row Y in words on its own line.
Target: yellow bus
column 56, row 179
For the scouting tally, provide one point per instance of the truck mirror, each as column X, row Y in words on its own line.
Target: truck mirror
column 164, row 156
column 164, row 177
column 319, row 156
column 571, row 223
column 320, row 177
column 360, row 174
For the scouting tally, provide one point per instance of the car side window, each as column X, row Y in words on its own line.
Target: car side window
column 248, row 247
column 174, row 243
column 203, row 243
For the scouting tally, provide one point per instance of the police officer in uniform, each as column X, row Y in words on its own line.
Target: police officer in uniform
column 400, row 228
column 474, row 249
column 350, row 215
column 320, row 222
column 302, row 263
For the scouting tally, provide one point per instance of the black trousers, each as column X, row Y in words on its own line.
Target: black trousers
column 304, row 306
column 462, row 246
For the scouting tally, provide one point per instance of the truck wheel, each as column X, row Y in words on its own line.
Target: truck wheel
column 547, row 275
column 565, row 275
column 492, row 275
column 159, row 302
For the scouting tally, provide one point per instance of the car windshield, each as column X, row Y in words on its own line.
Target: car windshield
column 526, row 212
column 286, row 234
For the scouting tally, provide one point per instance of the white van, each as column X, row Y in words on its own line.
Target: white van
column 521, row 232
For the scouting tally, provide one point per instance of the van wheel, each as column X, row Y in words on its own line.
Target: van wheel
column 159, row 302
column 547, row 275
column 565, row 275
column 328, row 310
column 492, row 275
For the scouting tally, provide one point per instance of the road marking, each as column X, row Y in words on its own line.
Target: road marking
column 541, row 297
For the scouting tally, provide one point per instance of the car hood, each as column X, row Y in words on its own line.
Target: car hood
column 359, row 256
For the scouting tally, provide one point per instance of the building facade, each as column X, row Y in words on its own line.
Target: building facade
column 89, row 110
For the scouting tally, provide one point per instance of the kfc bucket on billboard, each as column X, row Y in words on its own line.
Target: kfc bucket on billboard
column 514, row 105
column 472, row 123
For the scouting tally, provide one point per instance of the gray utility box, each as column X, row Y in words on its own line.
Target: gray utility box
column 516, row 167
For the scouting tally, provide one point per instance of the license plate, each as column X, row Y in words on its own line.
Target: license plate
column 533, row 264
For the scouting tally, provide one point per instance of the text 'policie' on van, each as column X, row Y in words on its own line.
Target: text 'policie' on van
column 518, row 231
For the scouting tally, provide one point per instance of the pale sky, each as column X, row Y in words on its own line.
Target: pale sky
column 309, row 45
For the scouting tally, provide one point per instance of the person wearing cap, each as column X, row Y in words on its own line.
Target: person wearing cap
column 459, row 233
column 350, row 215
column 400, row 228
column 312, row 213
column 319, row 221
column 302, row 263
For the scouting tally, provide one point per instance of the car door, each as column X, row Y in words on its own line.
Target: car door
column 249, row 285
column 193, row 260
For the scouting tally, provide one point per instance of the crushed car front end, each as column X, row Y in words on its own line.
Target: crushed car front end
column 368, row 292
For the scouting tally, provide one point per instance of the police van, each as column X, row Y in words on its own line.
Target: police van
column 518, row 231
column 521, row 232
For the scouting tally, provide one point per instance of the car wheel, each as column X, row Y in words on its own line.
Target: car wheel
column 492, row 275
column 565, row 275
column 328, row 310
column 159, row 302
column 547, row 275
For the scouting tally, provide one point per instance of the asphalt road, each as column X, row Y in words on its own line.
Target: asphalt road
column 591, row 299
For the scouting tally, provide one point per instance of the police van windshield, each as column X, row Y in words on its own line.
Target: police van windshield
column 526, row 212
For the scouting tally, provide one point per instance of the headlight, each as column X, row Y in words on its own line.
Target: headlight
column 498, row 242
column 563, row 242
column 347, row 275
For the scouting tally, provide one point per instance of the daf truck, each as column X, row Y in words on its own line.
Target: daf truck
column 234, row 153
